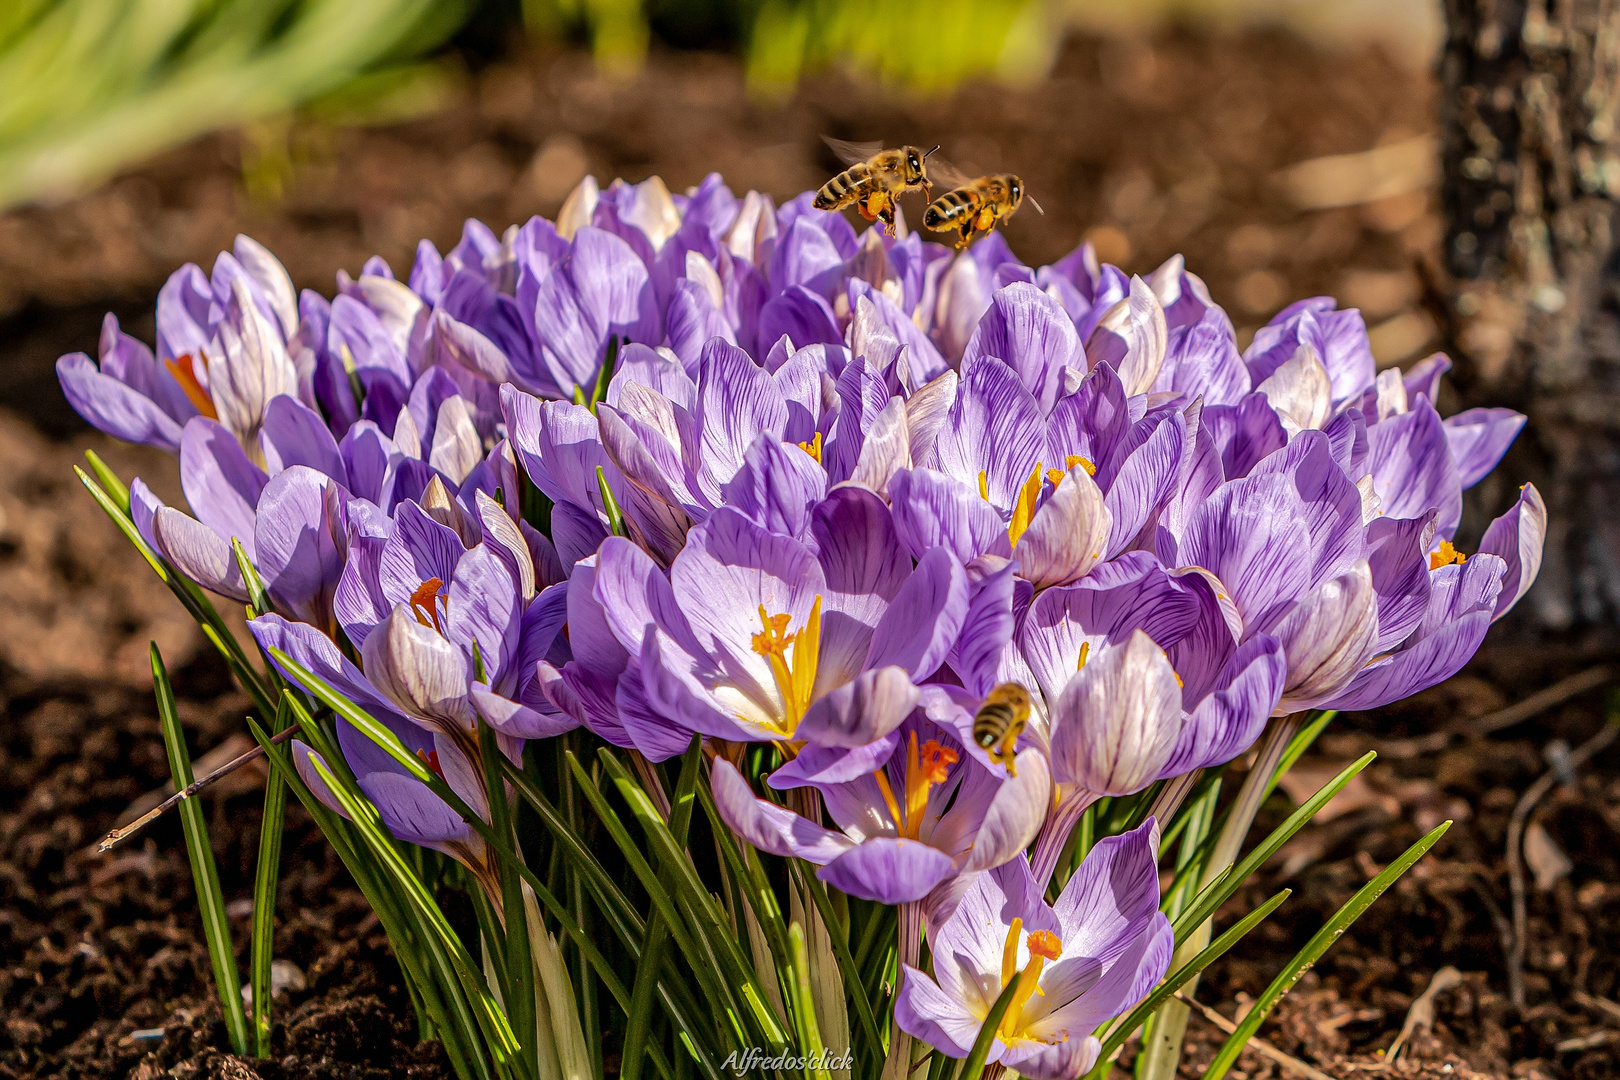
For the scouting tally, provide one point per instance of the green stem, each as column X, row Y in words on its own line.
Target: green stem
column 265, row 881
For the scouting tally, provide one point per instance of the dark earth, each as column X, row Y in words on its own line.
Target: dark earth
column 1149, row 147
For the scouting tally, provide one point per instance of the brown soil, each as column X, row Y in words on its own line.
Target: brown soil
column 1149, row 147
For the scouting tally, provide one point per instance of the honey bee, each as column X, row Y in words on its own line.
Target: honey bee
column 999, row 722
column 976, row 205
column 875, row 180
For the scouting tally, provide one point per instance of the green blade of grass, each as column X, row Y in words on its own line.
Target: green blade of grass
column 1207, row 902
column 1300, row 743
column 447, row 1016
column 804, row 1006
column 267, row 876
column 519, row 957
column 204, row 873
column 639, row 1016
column 1177, row 979
column 1313, row 950
column 710, row 922
column 973, row 1067
column 853, row 987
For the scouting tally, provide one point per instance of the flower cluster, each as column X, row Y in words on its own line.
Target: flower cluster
column 680, row 465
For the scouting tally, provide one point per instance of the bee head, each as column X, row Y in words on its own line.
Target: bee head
column 1015, row 190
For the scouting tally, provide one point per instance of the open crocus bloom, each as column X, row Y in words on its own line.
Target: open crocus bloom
column 1077, row 963
column 757, row 636
column 914, row 810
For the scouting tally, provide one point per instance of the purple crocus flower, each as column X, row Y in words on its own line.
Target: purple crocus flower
column 222, row 352
column 1077, row 963
column 914, row 808
column 755, row 635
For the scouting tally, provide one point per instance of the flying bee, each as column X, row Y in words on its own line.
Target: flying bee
column 999, row 722
column 976, row 205
column 875, row 180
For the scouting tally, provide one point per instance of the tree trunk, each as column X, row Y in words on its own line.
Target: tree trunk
column 1531, row 159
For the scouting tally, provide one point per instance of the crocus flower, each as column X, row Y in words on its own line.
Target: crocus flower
column 755, row 635
column 914, row 810
column 1077, row 963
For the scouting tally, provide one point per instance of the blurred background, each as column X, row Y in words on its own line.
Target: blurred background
column 1286, row 148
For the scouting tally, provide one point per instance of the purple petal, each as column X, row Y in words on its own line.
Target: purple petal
column 862, row 711
column 1027, row 330
column 1118, row 720
column 1517, row 537
column 924, row 1011
column 773, row 829
column 1413, row 470
column 198, row 552
column 924, row 618
column 888, row 870
column 1478, row 438
column 994, row 427
column 737, row 400
column 220, row 483
column 931, row 510
column 113, row 407
column 301, row 538
column 1228, row 721
column 294, row 434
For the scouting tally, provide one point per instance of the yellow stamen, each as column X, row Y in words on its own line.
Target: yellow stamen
column 184, row 370
column 795, row 678
column 984, row 486
column 1085, row 651
column 882, row 777
column 813, row 447
column 1069, row 462
column 925, row 767
column 1043, row 946
column 1024, row 508
column 425, row 603
column 1446, row 556
column 1009, row 953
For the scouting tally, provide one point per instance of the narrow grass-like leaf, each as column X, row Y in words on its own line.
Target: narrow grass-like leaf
column 837, row 931
column 639, row 1022
column 718, row 984
column 197, row 605
column 580, row 906
column 519, row 957
column 447, row 1015
column 974, row 1066
column 258, row 595
column 1177, row 979
column 610, row 363
column 804, row 1007
column 1300, row 743
column 204, row 873
column 492, row 1023
column 110, row 481
column 610, row 506
column 1313, row 950
column 1211, row 898
column 710, row 923
column 266, row 878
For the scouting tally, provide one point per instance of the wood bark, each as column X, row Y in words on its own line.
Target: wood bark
column 1531, row 160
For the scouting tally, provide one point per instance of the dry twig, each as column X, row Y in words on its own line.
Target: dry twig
column 1515, row 844
column 1537, row 703
column 1287, row 1061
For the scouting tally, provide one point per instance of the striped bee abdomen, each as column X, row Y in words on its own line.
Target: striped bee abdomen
column 948, row 208
column 992, row 722
column 842, row 189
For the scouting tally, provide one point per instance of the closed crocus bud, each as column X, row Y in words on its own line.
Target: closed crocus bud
column 421, row 672
column 1118, row 719
column 1328, row 637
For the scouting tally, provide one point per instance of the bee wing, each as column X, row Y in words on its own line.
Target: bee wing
column 942, row 174
column 851, row 153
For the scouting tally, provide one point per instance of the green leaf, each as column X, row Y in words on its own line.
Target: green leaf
column 1313, row 950
column 1208, row 901
column 605, row 376
column 1300, row 743
column 804, row 1006
column 853, row 987
column 639, row 1022
column 974, row 1066
column 519, row 957
column 204, row 873
column 1177, row 979
column 266, row 877
column 610, row 506
column 258, row 595
column 109, row 480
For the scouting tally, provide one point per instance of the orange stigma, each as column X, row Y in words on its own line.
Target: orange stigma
column 430, row 758
column 425, row 603
column 184, row 370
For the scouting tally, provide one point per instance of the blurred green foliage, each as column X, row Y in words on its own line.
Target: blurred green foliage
column 88, row 86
